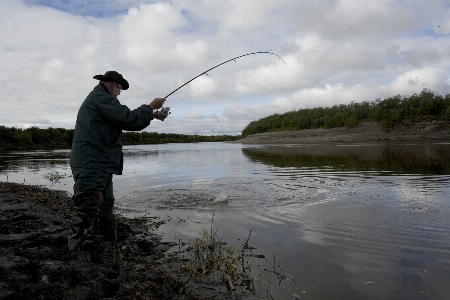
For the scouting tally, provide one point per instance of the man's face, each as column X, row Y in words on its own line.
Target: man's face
column 116, row 89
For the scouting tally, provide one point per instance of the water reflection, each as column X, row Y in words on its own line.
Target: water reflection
column 397, row 159
column 33, row 160
column 31, row 167
column 335, row 216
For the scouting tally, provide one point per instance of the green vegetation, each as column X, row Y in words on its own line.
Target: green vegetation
column 145, row 138
column 426, row 105
column 210, row 255
column 59, row 138
column 34, row 138
column 213, row 258
column 401, row 160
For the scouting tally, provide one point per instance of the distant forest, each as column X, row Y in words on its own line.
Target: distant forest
column 59, row 138
column 387, row 112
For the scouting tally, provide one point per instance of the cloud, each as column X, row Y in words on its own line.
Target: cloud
column 420, row 56
column 348, row 19
column 270, row 79
column 434, row 78
column 335, row 51
column 203, row 87
column 408, row 83
column 199, row 116
column 198, row 124
column 443, row 27
column 145, row 34
column 238, row 111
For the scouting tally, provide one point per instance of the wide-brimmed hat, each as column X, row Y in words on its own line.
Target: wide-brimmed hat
column 114, row 77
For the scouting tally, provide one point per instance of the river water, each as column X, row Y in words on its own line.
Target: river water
column 359, row 221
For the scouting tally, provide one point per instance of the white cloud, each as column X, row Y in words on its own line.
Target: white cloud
column 199, row 116
column 270, row 79
column 196, row 123
column 52, row 70
column 238, row 111
column 433, row 78
column 145, row 34
column 335, row 51
column 203, row 87
column 247, row 14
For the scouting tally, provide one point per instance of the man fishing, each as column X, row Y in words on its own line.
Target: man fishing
column 97, row 150
column 97, row 153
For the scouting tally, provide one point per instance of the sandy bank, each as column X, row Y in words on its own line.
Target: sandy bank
column 367, row 132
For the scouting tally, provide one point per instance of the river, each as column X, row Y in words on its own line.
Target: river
column 350, row 221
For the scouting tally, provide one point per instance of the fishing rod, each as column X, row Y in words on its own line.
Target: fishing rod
column 164, row 112
column 233, row 59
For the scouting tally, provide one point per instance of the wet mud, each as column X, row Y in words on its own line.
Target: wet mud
column 35, row 262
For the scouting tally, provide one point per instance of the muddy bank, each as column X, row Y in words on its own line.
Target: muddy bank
column 365, row 132
column 35, row 262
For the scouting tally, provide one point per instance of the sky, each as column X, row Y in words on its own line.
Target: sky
column 331, row 52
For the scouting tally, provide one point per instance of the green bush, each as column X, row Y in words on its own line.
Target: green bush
column 34, row 138
column 387, row 112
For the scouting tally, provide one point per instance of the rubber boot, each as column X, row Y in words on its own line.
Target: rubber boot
column 106, row 226
column 87, row 204
column 77, row 235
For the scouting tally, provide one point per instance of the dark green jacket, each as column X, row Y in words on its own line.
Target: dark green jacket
column 97, row 141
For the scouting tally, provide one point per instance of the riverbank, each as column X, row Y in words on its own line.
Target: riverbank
column 366, row 132
column 35, row 262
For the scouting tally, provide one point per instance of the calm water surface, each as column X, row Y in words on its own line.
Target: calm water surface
column 342, row 221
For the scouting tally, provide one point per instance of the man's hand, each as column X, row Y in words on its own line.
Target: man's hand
column 157, row 103
column 161, row 114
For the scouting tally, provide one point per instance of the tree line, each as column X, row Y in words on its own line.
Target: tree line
column 425, row 105
column 34, row 138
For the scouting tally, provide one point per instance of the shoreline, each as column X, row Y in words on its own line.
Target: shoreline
column 36, row 263
column 364, row 132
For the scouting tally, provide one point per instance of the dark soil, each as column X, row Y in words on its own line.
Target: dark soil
column 35, row 262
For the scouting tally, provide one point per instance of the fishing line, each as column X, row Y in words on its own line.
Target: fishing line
column 233, row 59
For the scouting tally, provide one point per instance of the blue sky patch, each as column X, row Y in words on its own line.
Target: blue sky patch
column 97, row 8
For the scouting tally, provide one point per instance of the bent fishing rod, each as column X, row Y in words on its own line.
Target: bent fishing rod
column 233, row 59
column 165, row 110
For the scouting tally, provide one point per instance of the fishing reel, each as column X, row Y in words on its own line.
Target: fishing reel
column 161, row 114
